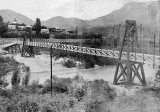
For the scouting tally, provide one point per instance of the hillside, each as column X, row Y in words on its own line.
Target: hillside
column 62, row 22
column 9, row 15
column 146, row 13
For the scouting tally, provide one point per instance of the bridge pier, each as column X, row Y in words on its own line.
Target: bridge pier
column 27, row 51
column 128, row 72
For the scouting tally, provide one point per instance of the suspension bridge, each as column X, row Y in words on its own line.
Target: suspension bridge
column 129, row 60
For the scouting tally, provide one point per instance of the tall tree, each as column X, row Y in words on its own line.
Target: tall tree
column 37, row 26
column 3, row 27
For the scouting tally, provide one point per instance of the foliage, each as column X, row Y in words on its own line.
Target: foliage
column 7, row 65
column 7, row 93
column 41, row 36
column 29, row 106
column 3, row 26
column 79, row 93
column 15, row 81
column 100, row 94
column 37, row 26
column 140, row 102
column 69, row 64
column 57, row 87
column 12, row 35
column 26, row 79
column 43, row 27
column 157, row 76
column 3, row 83
column 34, row 87
column 89, row 61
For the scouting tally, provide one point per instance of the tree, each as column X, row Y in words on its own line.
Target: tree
column 37, row 26
column 2, row 26
column 43, row 27
column 15, row 80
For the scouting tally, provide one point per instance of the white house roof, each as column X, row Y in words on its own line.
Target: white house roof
column 14, row 22
column 29, row 26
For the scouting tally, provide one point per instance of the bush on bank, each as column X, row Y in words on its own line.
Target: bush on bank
column 22, row 35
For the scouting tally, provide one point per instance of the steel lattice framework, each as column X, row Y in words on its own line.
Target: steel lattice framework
column 129, row 69
column 27, row 51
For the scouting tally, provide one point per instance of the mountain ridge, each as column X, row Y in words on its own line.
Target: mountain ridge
column 147, row 13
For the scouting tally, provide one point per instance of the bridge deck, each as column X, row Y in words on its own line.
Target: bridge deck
column 136, row 57
column 8, row 45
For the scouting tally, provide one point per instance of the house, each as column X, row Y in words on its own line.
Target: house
column 12, row 26
column 15, row 25
column 21, row 28
column 45, row 31
column 28, row 26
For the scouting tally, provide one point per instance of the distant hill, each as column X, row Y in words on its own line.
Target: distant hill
column 62, row 22
column 9, row 15
column 146, row 13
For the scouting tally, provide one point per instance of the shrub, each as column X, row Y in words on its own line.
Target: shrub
column 102, row 87
column 41, row 36
column 79, row 93
column 29, row 106
column 12, row 35
column 140, row 102
column 11, row 107
column 89, row 61
column 157, row 76
column 57, row 87
column 7, row 93
column 3, row 83
column 34, row 87
column 94, row 106
column 15, row 79
column 26, row 79
column 69, row 64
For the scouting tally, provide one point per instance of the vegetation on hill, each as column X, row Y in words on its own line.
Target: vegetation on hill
column 68, row 94
column 74, row 95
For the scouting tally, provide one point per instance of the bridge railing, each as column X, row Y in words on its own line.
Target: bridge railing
column 137, row 57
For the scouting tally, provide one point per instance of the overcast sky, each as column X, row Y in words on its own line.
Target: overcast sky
column 45, row 9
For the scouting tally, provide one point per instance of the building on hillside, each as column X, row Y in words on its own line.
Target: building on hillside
column 29, row 26
column 20, row 28
column 46, row 31
column 65, row 32
column 15, row 25
column 12, row 27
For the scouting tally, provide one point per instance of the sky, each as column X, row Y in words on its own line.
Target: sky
column 46, row 9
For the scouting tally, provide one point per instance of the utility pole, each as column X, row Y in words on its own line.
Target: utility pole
column 51, row 67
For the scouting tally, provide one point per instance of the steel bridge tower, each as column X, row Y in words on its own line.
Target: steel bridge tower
column 27, row 51
column 127, row 70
